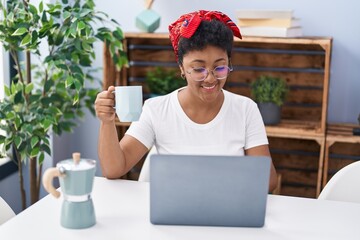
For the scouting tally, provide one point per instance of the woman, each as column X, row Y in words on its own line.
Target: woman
column 200, row 118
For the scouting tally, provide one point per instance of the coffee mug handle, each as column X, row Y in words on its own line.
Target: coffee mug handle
column 113, row 92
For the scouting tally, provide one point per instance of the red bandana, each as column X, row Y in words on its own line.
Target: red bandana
column 187, row 24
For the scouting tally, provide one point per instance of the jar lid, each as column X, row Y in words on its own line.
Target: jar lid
column 76, row 164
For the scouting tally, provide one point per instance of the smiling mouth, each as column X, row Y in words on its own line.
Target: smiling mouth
column 209, row 87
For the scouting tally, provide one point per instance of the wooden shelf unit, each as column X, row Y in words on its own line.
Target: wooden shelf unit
column 341, row 148
column 304, row 63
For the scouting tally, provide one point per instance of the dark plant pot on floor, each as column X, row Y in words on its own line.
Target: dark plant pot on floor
column 270, row 112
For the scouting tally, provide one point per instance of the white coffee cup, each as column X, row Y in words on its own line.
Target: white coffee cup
column 128, row 103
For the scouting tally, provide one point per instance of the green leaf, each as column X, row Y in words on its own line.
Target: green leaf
column 19, row 86
column 85, row 60
column 76, row 99
column 85, row 12
column 80, row 77
column 10, row 115
column 34, row 152
column 26, row 40
column 29, row 88
column 17, row 122
column 62, row 66
column 13, row 88
column 78, row 85
column 66, row 126
column 114, row 21
column 18, row 98
column 46, row 148
column 19, row 32
column 118, row 33
column 86, row 46
column 78, row 45
column 73, row 30
column 45, row 140
column 8, row 144
column 76, row 69
column 75, row 57
column 66, row 15
column 81, row 25
column 41, row 6
column 32, row 9
column 34, row 36
column 112, row 49
column 49, row 83
column 46, row 124
column 69, row 115
column 46, row 101
column 28, row 127
column 23, row 156
column 2, row 139
column 41, row 158
column 44, row 19
column 10, row 17
column 17, row 141
column 54, row 8
column 34, row 141
column 7, row 91
column 55, row 110
column 69, row 81
column 87, row 31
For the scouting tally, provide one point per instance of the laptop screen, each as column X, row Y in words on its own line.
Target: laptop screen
column 209, row 190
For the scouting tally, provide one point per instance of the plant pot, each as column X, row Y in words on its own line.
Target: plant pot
column 270, row 112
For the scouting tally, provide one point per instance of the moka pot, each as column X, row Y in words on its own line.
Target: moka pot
column 76, row 177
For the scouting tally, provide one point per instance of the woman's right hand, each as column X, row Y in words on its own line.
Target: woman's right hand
column 104, row 105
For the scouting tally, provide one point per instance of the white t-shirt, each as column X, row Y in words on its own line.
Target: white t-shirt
column 163, row 123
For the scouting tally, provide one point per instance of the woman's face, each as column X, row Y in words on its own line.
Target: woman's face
column 196, row 63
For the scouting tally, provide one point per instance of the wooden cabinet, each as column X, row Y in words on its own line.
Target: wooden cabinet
column 304, row 63
column 341, row 148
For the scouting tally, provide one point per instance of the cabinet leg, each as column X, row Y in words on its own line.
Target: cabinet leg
column 320, row 169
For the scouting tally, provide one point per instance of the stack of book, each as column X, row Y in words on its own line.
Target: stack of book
column 268, row 23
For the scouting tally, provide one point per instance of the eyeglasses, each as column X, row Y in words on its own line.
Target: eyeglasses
column 200, row 74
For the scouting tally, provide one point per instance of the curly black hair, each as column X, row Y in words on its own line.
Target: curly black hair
column 214, row 33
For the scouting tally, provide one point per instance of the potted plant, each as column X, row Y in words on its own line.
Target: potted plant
column 47, row 97
column 269, row 92
column 163, row 81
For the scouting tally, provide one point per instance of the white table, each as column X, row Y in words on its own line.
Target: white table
column 122, row 211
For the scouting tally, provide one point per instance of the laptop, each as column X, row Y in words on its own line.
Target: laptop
column 209, row 190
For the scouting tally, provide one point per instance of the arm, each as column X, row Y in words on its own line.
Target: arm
column 263, row 150
column 116, row 158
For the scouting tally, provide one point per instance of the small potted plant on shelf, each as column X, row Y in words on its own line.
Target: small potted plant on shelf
column 162, row 81
column 269, row 92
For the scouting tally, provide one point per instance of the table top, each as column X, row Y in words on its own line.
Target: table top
column 122, row 212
